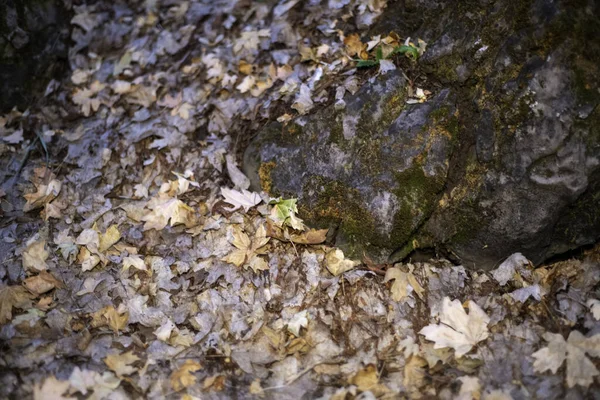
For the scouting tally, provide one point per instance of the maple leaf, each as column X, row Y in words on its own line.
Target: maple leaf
column 284, row 213
column 247, row 251
column 237, row 199
column 51, row 389
column 457, row 329
column 110, row 316
column 184, row 377
column 580, row 369
column 354, row 46
column 13, row 296
column 173, row 210
column 403, row 281
column 121, row 363
column 337, row 264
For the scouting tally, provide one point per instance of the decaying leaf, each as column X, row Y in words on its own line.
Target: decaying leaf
column 109, row 238
column 404, row 283
column 247, row 251
column 580, row 369
column 53, row 389
column 121, row 363
column 183, row 377
column 170, row 211
column 42, row 283
column 457, row 329
column 337, row 264
column 35, row 255
column 13, row 297
column 243, row 199
column 109, row 316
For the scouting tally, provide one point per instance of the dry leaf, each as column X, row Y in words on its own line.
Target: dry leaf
column 42, row 283
column 337, row 264
column 13, row 296
column 173, row 210
column 457, row 329
column 44, row 194
column 403, row 281
column 109, row 238
column 183, row 377
column 247, row 251
column 580, row 369
column 35, row 255
column 51, row 389
column 121, row 363
column 354, row 46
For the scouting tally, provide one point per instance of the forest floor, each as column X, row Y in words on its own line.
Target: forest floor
column 134, row 264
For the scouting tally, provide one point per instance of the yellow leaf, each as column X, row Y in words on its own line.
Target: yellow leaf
column 354, row 46
column 35, row 255
column 121, row 363
column 183, row 377
column 337, row 264
column 110, row 237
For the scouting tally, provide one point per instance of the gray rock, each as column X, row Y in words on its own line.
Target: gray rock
column 33, row 48
column 504, row 157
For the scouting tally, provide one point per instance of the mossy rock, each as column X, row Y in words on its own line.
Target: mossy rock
column 504, row 157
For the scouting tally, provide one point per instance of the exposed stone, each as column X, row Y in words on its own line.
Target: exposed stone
column 33, row 48
column 504, row 157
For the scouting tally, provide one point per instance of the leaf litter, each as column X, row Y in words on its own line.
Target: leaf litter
column 137, row 262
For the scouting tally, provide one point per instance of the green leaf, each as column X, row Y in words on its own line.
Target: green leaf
column 284, row 213
column 366, row 63
column 379, row 54
column 409, row 51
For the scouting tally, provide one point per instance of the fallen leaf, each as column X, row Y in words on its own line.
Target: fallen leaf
column 284, row 213
column 183, row 377
column 51, row 389
column 172, row 210
column 457, row 329
column 580, row 369
column 121, row 363
column 109, row 238
column 312, row 236
column 13, row 297
column 42, row 283
column 404, row 283
column 35, row 255
column 298, row 321
column 247, row 251
column 109, row 316
column 44, row 194
column 237, row 199
column 337, row 264
column 354, row 46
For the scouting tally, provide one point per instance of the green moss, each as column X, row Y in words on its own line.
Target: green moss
column 264, row 173
column 337, row 205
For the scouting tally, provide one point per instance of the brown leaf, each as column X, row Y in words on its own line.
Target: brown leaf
column 13, row 296
column 121, row 363
column 354, row 46
column 312, row 236
column 183, row 377
column 42, row 283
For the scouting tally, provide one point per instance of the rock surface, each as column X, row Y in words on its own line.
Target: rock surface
column 33, row 48
column 503, row 157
